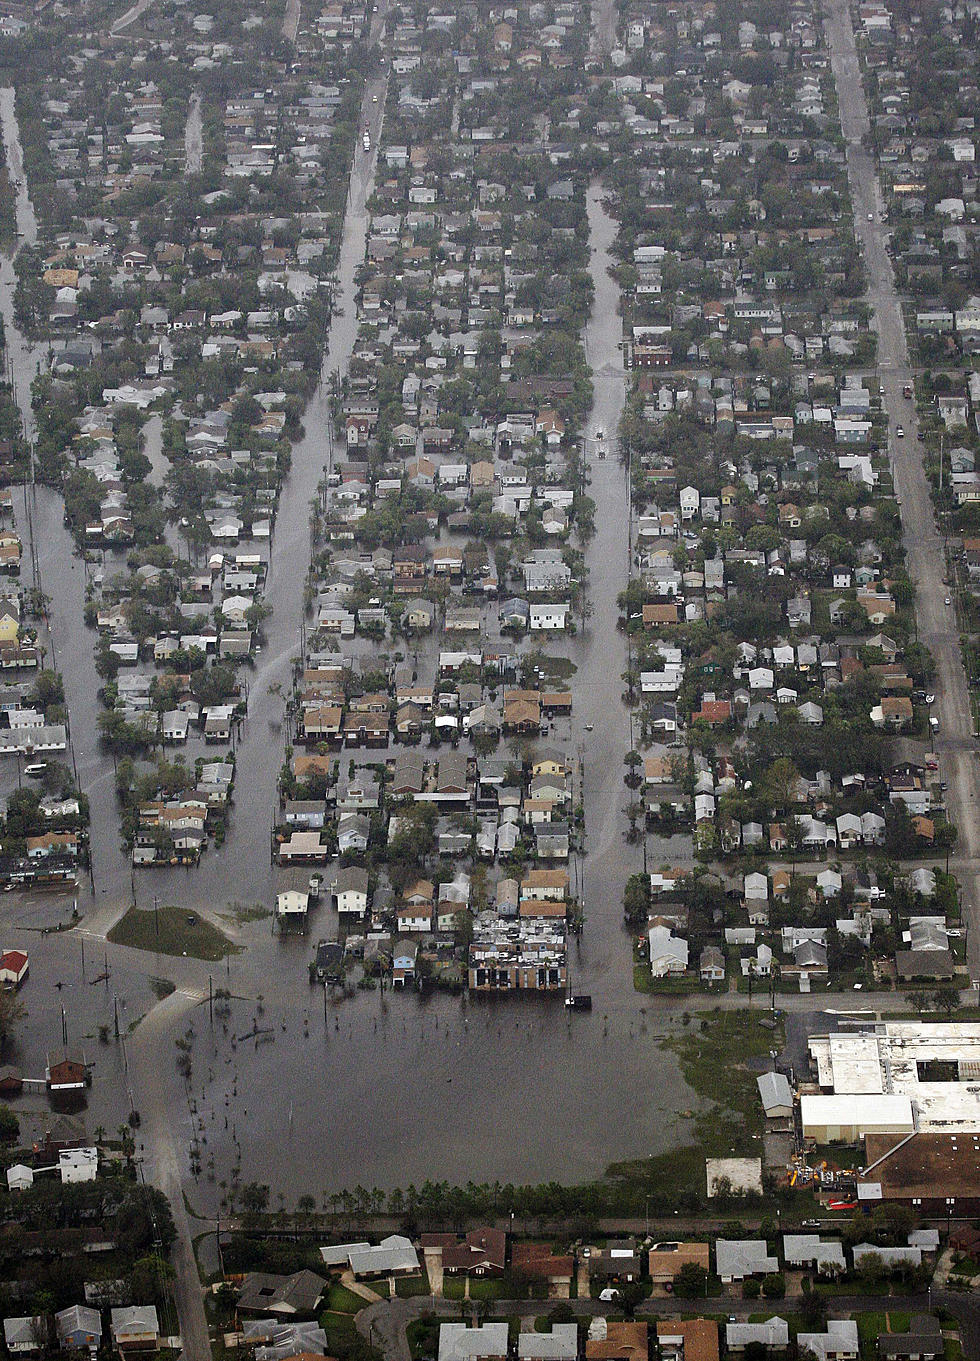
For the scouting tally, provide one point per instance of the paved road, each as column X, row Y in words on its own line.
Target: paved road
column 937, row 626
column 193, row 137
column 162, row 1164
column 604, row 21
column 290, row 22
column 131, row 15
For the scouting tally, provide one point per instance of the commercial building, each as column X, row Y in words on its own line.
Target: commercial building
column 899, row 1077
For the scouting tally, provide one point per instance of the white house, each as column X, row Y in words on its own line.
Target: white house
column 668, row 953
column 78, row 1164
column 350, row 889
column 548, row 617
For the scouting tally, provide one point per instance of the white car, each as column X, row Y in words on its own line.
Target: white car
column 608, row 1294
column 948, row 601
column 374, row 99
column 900, row 431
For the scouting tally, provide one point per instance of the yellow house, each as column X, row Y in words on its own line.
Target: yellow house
column 9, row 623
column 549, row 765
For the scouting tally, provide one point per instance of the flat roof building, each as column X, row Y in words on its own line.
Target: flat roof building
column 933, row 1067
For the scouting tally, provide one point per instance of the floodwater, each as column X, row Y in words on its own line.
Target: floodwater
column 394, row 1088
column 377, row 1090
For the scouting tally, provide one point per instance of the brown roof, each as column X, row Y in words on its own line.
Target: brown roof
column 521, row 711
column 537, row 1259
column 660, row 614
column 666, row 1264
column 714, row 711
column 480, row 1248
column 898, row 707
column 925, row 1166
column 700, row 1337
column 623, row 1340
column 545, row 879
column 550, row 907
column 551, row 699
column 312, row 765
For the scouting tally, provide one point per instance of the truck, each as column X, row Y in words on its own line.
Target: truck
column 907, row 390
column 366, row 143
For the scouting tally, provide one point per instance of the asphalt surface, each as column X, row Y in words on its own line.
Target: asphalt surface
column 193, row 136
column 954, row 743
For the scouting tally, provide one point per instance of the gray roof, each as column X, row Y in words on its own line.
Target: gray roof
column 936, row 964
column 135, row 1318
column 17, row 1331
column 561, row 1344
column 393, row 1253
column 774, row 1090
column 772, row 1332
column 799, row 1249
column 924, row 1338
column 459, row 1343
column 841, row 1336
column 350, row 878
column 889, row 1256
column 743, row 1257
column 276, row 1340
column 78, row 1318
column 265, row 1293
column 338, row 1254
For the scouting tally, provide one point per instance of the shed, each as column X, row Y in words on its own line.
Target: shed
column 777, row 1099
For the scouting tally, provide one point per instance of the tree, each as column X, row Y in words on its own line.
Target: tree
column 631, row 1294
column 900, row 838
column 870, row 1268
column 636, row 900
column 774, row 1285
column 254, row 1198
column 946, row 999
column 149, row 1279
column 9, row 1125
column 691, row 1281
column 12, row 1012
column 813, row 1310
